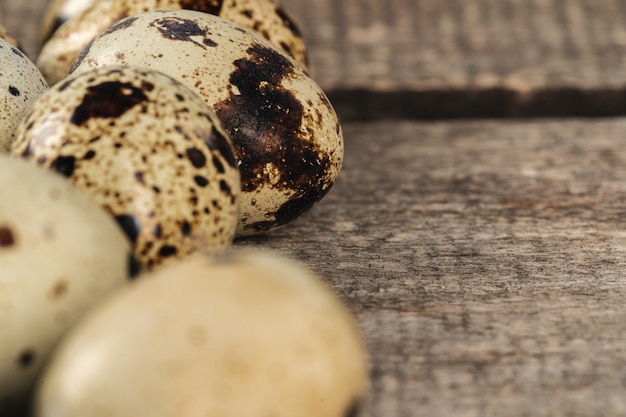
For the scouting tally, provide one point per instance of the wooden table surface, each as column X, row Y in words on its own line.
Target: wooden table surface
column 478, row 228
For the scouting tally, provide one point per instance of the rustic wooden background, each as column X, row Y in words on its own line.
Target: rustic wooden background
column 478, row 228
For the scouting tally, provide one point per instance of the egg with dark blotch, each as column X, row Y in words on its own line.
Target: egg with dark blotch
column 21, row 83
column 255, row 334
column 59, row 254
column 265, row 17
column 287, row 137
column 148, row 149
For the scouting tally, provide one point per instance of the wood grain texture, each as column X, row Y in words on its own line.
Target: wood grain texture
column 432, row 59
column 485, row 261
column 421, row 44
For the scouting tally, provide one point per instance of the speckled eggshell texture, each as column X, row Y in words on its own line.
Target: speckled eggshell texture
column 58, row 12
column 265, row 17
column 21, row 84
column 148, row 149
column 252, row 335
column 286, row 134
column 59, row 254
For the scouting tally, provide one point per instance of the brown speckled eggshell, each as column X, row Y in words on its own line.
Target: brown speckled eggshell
column 148, row 149
column 265, row 17
column 286, row 134
column 21, row 84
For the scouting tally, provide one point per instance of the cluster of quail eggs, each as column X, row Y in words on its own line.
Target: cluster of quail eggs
column 145, row 137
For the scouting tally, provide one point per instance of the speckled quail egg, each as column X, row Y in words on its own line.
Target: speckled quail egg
column 148, row 149
column 59, row 254
column 287, row 137
column 21, row 84
column 58, row 12
column 252, row 334
column 265, row 17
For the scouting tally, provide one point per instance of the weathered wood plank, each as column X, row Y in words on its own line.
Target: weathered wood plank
column 439, row 44
column 467, row 58
column 486, row 263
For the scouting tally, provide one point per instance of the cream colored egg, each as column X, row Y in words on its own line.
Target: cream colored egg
column 286, row 134
column 21, row 84
column 59, row 254
column 58, row 12
column 147, row 149
column 265, row 17
column 251, row 335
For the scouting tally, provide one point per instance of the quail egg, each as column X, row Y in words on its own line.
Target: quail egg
column 287, row 136
column 58, row 12
column 21, row 84
column 59, row 254
column 148, row 149
column 251, row 334
column 265, row 17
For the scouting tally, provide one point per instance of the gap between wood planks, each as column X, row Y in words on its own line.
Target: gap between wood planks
column 362, row 105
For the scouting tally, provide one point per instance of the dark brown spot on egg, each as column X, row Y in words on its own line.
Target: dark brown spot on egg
column 130, row 225
column 287, row 48
column 264, row 124
column 217, row 163
column 26, row 358
column 207, row 6
column 64, row 165
column 139, row 178
column 17, row 52
column 197, row 158
column 179, row 29
column 157, row 232
column 201, row 181
column 209, row 42
column 14, row 91
column 63, row 85
column 185, row 228
column 28, row 151
column 354, row 409
column 288, row 22
column 147, row 86
column 134, row 266
column 121, row 24
column 81, row 56
column 108, row 100
column 225, row 188
column 58, row 290
column 166, row 251
column 218, row 142
column 89, row 155
column 247, row 13
column 7, row 238
column 56, row 24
